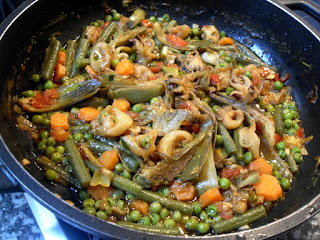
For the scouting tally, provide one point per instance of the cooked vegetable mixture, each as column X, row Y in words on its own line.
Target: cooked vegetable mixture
column 166, row 128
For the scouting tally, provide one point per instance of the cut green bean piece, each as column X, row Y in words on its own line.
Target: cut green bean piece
column 228, row 142
column 240, row 153
column 237, row 221
column 81, row 52
column 107, row 32
column 79, row 168
column 151, row 229
column 293, row 166
column 81, row 62
column 70, row 51
column 170, row 24
column 125, row 184
column 50, row 59
column 278, row 121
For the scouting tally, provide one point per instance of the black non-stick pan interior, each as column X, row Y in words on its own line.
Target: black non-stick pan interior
column 271, row 33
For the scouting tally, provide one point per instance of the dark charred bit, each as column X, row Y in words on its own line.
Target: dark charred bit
column 312, row 96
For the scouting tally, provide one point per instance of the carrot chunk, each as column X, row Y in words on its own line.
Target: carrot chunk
column 261, row 165
column 88, row 113
column 268, row 187
column 62, row 57
column 99, row 192
column 210, row 196
column 140, row 205
column 122, row 104
column 125, row 67
column 176, row 41
column 183, row 191
column 59, row 72
column 225, row 41
column 59, row 120
column 109, row 159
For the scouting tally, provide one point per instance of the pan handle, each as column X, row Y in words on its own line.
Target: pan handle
column 7, row 183
column 310, row 7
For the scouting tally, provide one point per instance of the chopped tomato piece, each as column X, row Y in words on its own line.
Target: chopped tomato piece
column 146, row 23
column 45, row 99
column 285, row 77
column 214, row 79
column 156, row 68
column 264, row 71
column 185, row 105
column 277, row 138
column 299, row 133
column 231, row 173
column 176, row 41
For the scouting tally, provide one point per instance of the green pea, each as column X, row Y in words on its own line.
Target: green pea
column 248, row 157
column 48, row 85
column 164, row 191
column 97, row 204
column 270, row 108
column 126, row 174
column 102, row 215
column 240, row 66
column 88, row 202
column 282, row 154
column 288, row 123
column 78, row 136
column 49, row 151
column 228, row 59
column 46, row 122
column 212, row 210
column 65, row 161
column 274, row 166
column 192, row 224
column 294, row 114
column 295, row 126
column 35, row 78
column 56, row 157
column 154, row 100
column 277, row 174
column 129, row 196
column 207, row 100
column 29, row 93
column 51, row 141
column 69, row 168
column 90, row 210
column 169, row 222
column 196, row 31
column 295, row 150
column 215, row 108
column 160, row 19
column 145, row 142
column 248, row 74
column 37, row 119
column 219, row 140
column 117, row 194
column 135, row 216
column 51, row 175
column 298, row 157
column 155, row 207
column 145, row 221
column 285, row 183
column 44, row 134
column 83, row 195
column 224, row 183
column 201, row 94
column 278, row 85
column 64, row 79
column 119, row 167
column 111, row 202
column 137, row 108
column 229, row 90
column 292, row 106
column 222, row 34
column 176, row 216
column 155, row 218
column 95, row 24
column 281, row 145
column 121, row 204
column 222, row 65
column 291, row 132
column 203, row 216
column 164, row 213
column 108, row 18
column 132, row 57
column 166, row 17
column 222, row 53
column 152, row 19
column 60, row 149
column 203, row 227
column 108, row 210
column 217, row 218
column 197, row 209
column 184, row 219
column 116, row 17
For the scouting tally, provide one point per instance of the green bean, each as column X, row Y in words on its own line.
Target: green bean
column 228, row 142
column 93, row 102
column 218, row 47
column 50, row 59
column 293, row 166
column 92, row 168
column 99, row 147
column 80, row 53
column 237, row 221
column 245, row 59
column 71, row 49
column 107, row 32
column 170, row 24
column 175, row 205
column 81, row 62
column 79, row 168
column 80, row 128
column 278, row 121
column 47, row 163
column 151, row 229
column 126, row 184
column 240, row 154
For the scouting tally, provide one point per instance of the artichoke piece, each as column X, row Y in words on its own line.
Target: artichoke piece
column 123, row 37
column 138, row 93
column 68, row 95
column 247, row 179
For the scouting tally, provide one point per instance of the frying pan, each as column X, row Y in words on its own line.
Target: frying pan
column 275, row 34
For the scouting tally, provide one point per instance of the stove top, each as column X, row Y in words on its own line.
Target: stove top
column 52, row 227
